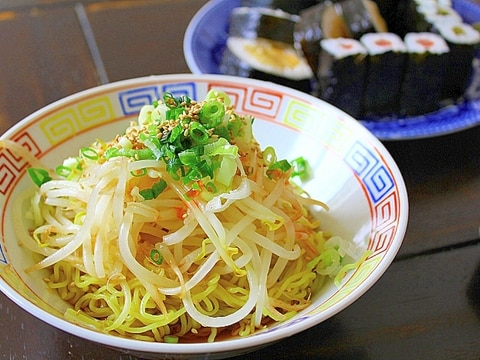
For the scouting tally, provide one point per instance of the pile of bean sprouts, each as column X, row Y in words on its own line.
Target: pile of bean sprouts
column 140, row 247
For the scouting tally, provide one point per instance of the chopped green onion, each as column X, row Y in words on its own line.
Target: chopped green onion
column 216, row 94
column 147, row 194
column 173, row 165
column 226, row 171
column 176, row 132
column 235, row 126
column 168, row 152
column 189, row 157
column 269, row 156
column 153, row 192
column 171, row 339
column 139, row 173
column 185, row 99
column 142, row 154
column 282, row 166
column 63, row 171
column 300, row 168
column 159, row 187
column 222, row 132
column 152, row 143
column 193, row 174
column 210, row 186
column 156, row 257
column 220, row 147
column 206, row 168
column 138, row 154
column 170, row 100
column 39, row 176
column 212, row 113
column 89, row 153
column 173, row 113
column 198, row 133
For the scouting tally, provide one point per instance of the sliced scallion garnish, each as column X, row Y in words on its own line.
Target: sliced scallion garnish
column 39, row 176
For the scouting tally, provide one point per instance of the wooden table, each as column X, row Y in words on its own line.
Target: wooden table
column 426, row 306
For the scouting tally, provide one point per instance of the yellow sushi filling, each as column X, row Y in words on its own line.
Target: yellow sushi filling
column 273, row 53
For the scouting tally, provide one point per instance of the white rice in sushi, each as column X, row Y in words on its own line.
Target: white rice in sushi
column 458, row 33
column 342, row 47
column 426, row 42
column 439, row 13
column 380, row 43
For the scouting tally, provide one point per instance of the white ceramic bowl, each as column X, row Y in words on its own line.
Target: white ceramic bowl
column 354, row 174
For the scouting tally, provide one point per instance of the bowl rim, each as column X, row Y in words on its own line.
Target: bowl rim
column 260, row 339
column 192, row 26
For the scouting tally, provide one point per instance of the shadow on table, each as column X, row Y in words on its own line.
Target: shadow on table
column 326, row 341
column 473, row 291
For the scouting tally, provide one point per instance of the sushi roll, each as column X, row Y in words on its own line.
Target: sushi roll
column 316, row 23
column 429, row 12
column 463, row 41
column 438, row 13
column 342, row 71
column 260, row 45
column 400, row 16
column 427, row 57
column 252, row 23
column 388, row 10
column 386, row 65
column 361, row 17
column 268, row 60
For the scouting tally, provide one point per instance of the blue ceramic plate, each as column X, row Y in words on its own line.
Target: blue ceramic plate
column 205, row 40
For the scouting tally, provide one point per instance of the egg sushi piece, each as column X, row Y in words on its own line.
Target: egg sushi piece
column 266, row 60
column 463, row 41
column 427, row 58
column 386, row 66
column 260, row 45
column 342, row 71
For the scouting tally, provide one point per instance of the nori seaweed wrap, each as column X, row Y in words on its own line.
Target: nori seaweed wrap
column 463, row 41
column 424, row 73
column 289, row 6
column 361, row 17
column 401, row 16
column 386, row 66
column 316, row 23
column 342, row 72
column 252, row 23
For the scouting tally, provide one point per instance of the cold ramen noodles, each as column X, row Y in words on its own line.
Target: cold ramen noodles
column 181, row 229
